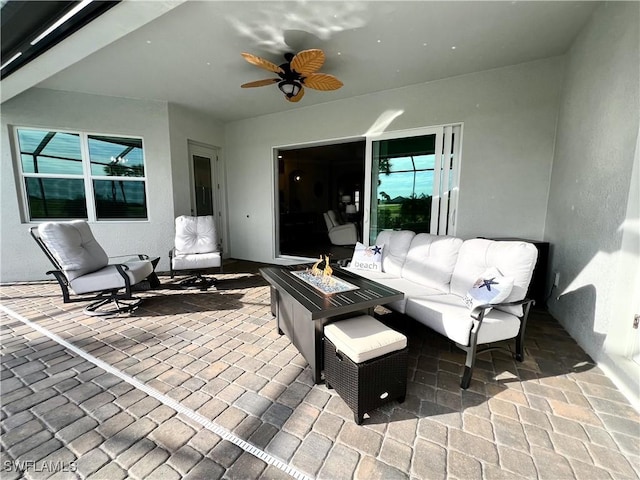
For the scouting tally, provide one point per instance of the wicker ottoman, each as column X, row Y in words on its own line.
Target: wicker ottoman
column 366, row 362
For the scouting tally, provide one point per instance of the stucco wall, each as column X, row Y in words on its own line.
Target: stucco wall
column 509, row 117
column 186, row 125
column 20, row 257
column 590, row 183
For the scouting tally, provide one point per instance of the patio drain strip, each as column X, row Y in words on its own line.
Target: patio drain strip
column 164, row 399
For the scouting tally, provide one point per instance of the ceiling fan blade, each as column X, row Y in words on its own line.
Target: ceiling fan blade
column 297, row 97
column 260, row 83
column 308, row 61
column 262, row 63
column 322, row 81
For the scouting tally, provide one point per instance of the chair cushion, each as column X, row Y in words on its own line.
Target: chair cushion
column 195, row 234
column 515, row 259
column 108, row 278
column 431, row 259
column 448, row 315
column 195, row 261
column 363, row 338
column 396, row 245
column 74, row 246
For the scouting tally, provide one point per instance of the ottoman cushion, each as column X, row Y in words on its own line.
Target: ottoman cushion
column 363, row 338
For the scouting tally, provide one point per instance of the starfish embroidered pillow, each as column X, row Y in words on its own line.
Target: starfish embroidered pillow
column 490, row 288
column 367, row 258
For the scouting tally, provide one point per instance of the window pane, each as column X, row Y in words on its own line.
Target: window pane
column 120, row 199
column 116, row 156
column 400, row 164
column 402, row 184
column 43, row 151
column 56, row 198
column 424, row 162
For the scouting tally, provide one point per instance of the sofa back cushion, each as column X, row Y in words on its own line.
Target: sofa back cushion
column 431, row 259
column 514, row 259
column 396, row 245
column 74, row 247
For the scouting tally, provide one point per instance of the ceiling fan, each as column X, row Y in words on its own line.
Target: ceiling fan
column 297, row 72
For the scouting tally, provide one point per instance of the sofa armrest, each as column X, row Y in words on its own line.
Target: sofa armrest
column 481, row 310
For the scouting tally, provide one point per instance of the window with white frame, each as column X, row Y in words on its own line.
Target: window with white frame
column 70, row 175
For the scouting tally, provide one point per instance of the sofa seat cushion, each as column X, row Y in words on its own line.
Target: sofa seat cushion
column 108, row 278
column 196, row 261
column 371, row 274
column 448, row 315
column 409, row 288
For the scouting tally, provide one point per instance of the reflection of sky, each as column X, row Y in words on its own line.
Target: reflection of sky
column 401, row 183
column 62, row 154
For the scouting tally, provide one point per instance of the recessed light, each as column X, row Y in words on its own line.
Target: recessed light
column 148, row 42
column 453, row 47
column 379, row 41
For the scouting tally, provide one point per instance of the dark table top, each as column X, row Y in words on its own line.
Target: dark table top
column 320, row 305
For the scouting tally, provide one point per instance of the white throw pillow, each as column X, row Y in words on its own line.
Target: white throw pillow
column 490, row 288
column 367, row 258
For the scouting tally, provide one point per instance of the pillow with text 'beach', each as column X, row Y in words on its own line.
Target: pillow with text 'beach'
column 367, row 258
column 490, row 288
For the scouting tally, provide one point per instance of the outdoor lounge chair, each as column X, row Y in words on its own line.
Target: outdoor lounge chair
column 82, row 267
column 195, row 249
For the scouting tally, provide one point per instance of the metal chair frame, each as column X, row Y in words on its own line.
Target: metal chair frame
column 124, row 302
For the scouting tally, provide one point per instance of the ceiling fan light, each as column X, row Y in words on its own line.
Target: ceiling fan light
column 290, row 88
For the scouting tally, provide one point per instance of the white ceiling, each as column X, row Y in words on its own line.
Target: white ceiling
column 190, row 53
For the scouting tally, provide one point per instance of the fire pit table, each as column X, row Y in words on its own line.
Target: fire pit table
column 302, row 305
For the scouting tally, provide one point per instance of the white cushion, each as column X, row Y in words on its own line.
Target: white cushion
column 195, row 234
column 409, row 288
column 367, row 258
column 513, row 259
column 195, row 261
column 490, row 287
column 396, row 245
column 74, row 247
column 363, row 338
column 431, row 259
column 448, row 315
column 108, row 277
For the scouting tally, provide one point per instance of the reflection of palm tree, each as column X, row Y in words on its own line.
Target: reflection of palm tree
column 384, row 165
column 117, row 170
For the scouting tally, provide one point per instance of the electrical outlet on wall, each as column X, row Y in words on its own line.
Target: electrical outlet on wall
column 556, row 280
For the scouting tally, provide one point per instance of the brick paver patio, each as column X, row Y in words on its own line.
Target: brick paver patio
column 200, row 385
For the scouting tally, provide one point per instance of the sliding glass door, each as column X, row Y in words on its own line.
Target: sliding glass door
column 414, row 181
